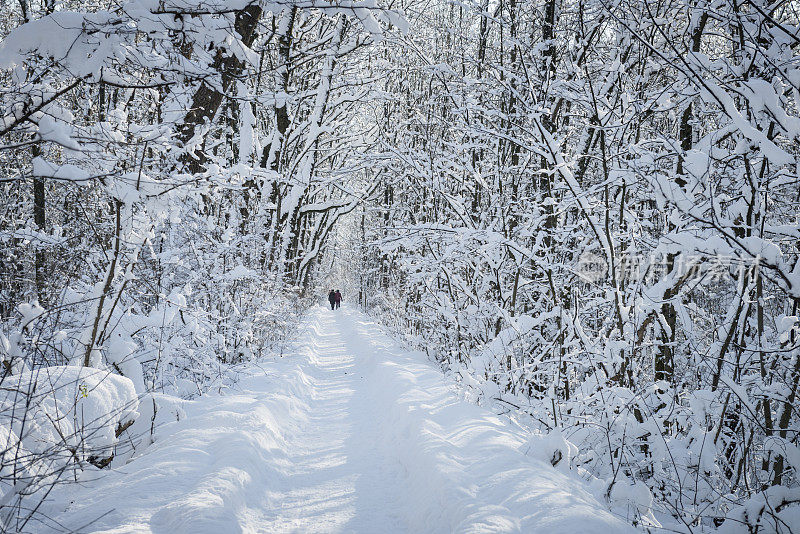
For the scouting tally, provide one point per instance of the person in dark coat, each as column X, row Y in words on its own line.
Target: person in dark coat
column 332, row 298
column 338, row 299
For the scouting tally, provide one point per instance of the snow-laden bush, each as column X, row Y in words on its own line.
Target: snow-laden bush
column 54, row 421
column 81, row 408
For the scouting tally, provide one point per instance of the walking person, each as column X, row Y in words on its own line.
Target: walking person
column 332, row 298
column 338, row 299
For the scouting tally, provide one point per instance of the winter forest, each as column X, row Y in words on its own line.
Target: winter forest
column 584, row 213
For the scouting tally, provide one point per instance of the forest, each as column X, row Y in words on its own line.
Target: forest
column 585, row 212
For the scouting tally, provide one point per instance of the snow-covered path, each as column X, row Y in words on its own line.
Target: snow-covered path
column 336, row 480
column 350, row 433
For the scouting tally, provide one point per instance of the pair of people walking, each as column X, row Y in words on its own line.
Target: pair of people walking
column 335, row 298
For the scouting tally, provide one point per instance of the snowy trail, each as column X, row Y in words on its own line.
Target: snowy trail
column 348, row 434
column 335, row 480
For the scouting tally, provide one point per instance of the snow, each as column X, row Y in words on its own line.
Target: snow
column 75, row 410
column 247, row 135
column 50, row 36
column 72, row 173
column 30, row 312
column 782, row 447
column 240, row 272
column 60, row 132
column 347, row 433
column 750, row 517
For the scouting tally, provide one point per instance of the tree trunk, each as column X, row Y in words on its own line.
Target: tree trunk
column 665, row 354
column 39, row 218
column 207, row 100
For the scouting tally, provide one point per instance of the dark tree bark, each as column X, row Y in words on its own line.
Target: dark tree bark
column 282, row 111
column 41, row 224
column 207, row 100
column 26, row 13
column 272, row 154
